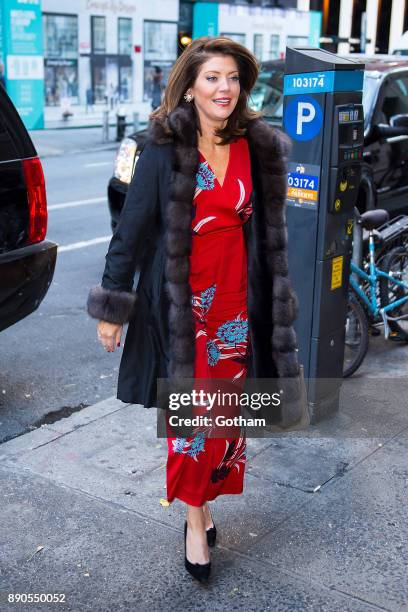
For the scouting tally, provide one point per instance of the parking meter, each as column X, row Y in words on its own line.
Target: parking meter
column 323, row 115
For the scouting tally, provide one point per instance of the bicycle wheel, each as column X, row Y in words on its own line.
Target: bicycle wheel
column 395, row 263
column 356, row 338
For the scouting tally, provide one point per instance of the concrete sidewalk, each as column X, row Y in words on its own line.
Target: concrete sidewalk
column 83, row 117
column 322, row 523
column 51, row 143
column 57, row 142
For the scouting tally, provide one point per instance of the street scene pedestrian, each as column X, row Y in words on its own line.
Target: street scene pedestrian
column 90, row 100
column 211, row 79
column 203, row 305
column 157, row 87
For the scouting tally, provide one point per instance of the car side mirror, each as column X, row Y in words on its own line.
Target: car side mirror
column 399, row 121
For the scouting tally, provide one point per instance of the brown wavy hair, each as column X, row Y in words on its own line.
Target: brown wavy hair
column 185, row 71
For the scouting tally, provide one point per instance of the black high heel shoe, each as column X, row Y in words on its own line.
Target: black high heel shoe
column 200, row 571
column 211, row 533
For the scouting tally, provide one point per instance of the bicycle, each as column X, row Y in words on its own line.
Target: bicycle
column 377, row 295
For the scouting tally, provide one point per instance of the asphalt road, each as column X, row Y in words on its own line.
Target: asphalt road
column 51, row 361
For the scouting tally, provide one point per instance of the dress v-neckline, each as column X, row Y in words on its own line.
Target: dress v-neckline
column 226, row 171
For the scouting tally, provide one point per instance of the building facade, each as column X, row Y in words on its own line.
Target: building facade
column 85, row 54
column 265, row 30
column 106, row 51
column 367, row 26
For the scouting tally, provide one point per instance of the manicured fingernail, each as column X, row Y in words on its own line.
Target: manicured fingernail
column 118, row 344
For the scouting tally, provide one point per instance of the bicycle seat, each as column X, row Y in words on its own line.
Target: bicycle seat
column 374, row 218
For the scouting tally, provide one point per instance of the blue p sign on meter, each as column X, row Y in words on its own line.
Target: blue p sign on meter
column 303, row 118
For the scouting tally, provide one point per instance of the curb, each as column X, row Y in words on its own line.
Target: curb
column 48, row 433
column 109, row 147
column 142, row 126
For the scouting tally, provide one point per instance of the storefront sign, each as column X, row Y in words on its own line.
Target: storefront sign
column 23, row 55
column 110, row 6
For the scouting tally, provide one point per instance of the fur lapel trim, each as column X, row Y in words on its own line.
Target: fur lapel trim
column 270, row 147
column 178, row 243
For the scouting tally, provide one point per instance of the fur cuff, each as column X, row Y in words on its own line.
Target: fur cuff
column 111, row 306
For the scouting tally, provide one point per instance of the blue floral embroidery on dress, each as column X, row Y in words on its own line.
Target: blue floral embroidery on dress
column 234, row 331
column 207, row 296
column 205, row 177
column 213, row 353
column 178, row 445
column 197, row 445
column 192, row 447
column 202, row 301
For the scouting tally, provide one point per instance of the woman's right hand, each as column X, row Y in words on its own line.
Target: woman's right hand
column 109, row 334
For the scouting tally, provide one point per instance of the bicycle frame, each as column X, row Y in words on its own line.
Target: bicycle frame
column 375, row 273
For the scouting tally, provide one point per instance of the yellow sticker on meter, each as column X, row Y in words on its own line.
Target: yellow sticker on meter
column 337, row 272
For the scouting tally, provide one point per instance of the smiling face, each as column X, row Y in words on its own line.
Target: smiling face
column 216, row 89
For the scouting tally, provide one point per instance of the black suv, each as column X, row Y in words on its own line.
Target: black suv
column 27, row 260
column 384, row 182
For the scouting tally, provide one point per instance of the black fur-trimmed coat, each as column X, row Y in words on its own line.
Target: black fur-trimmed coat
column 154, row 232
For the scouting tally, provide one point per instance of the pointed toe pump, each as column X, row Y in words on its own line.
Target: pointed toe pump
column 211, row 535
column 200, row 571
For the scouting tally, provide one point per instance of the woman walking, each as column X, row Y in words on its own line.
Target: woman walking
column 204, row 219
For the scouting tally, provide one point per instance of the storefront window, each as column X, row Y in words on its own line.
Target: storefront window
column 99, row 82
column 124, row 36
column 111, row 74
column 60, row 59
column 125, row 85
column 239, row 38
column 274, row 46
column 258, row 46
column 297, row 41
column 98, row 34
column 60, row 36
column 60, row 81
column 160, row 45
column 112, row 79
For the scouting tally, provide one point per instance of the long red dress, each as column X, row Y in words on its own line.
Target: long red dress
column 200, row 468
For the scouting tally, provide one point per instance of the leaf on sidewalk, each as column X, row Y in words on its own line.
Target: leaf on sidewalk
column 38, row 549
column 164, row 502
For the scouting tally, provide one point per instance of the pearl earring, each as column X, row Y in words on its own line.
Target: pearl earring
column 188, row 97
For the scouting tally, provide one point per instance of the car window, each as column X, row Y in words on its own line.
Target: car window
column 267, row 94
column 370, row 89
column 393, row 99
